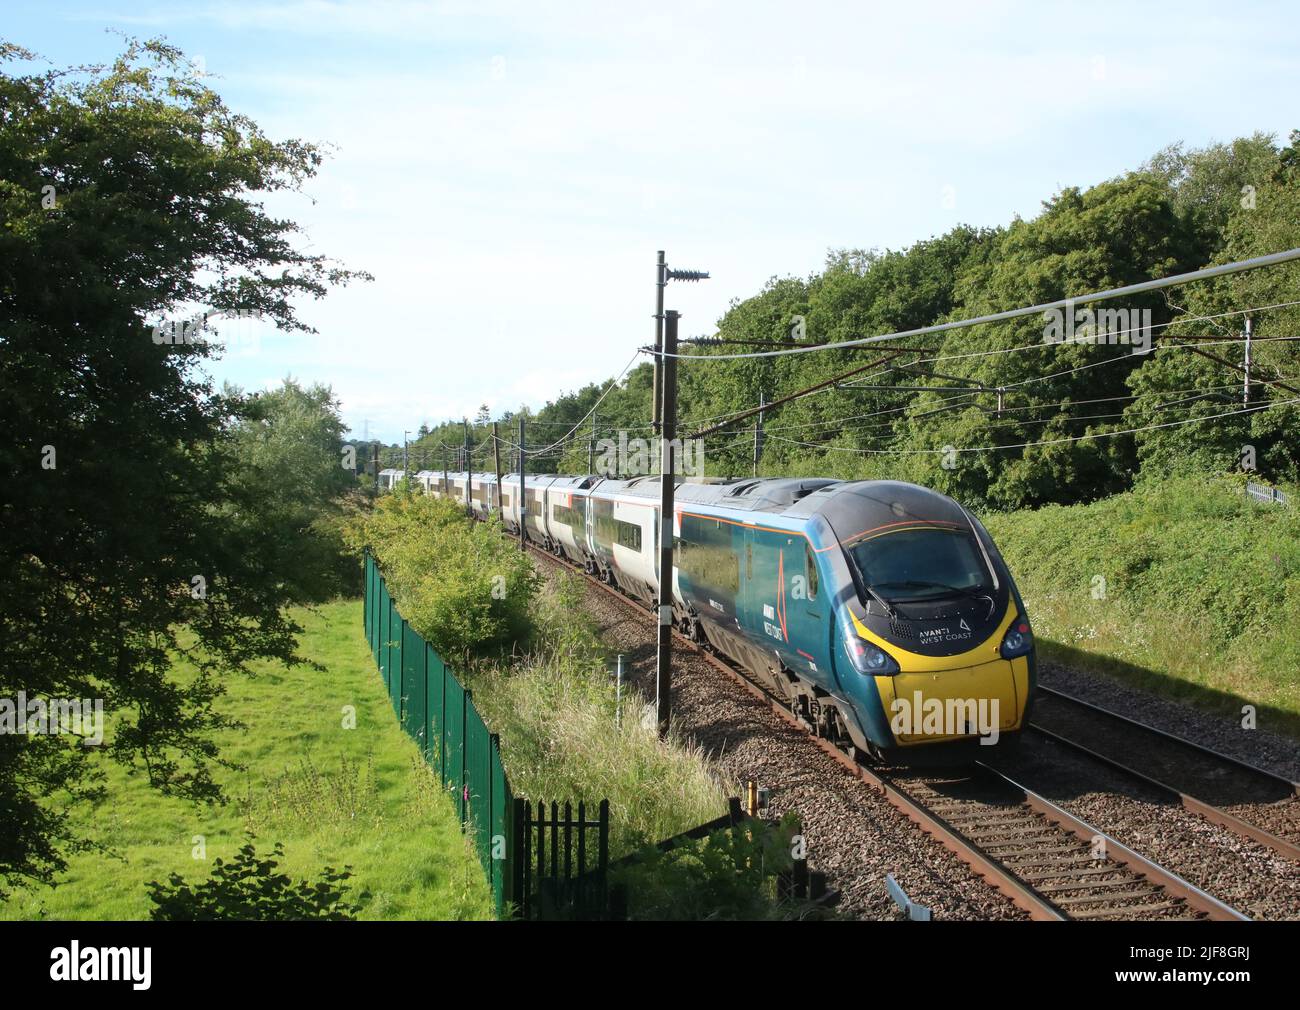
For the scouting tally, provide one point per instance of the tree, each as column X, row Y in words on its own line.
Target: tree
column 128, row 201
column 1264, row 220
column 460, row 584
column 290, row 471
column 1117, row 233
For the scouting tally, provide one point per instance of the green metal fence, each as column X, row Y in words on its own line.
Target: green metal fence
column 438, row 712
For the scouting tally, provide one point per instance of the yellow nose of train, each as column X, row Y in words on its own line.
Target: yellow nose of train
column 937, row 699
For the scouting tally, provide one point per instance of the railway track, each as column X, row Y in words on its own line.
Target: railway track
column 1250, row 802
column 1046, row 861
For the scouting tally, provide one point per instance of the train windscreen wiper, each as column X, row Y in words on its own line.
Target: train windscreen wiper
column 860, row 581
column 974, row 592
column 889, row 607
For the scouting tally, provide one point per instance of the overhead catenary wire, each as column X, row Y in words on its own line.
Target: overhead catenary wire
column 1053, row 441
column 839, row 422
column 970, row 396
column 1205, row 273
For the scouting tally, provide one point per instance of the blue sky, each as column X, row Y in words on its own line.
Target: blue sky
column 507, row 171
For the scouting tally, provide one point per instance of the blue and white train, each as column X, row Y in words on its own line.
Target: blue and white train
column 882, row 612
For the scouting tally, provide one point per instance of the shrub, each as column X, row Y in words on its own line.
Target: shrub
column 249, row 890
column 461, row 584
column 728, row 875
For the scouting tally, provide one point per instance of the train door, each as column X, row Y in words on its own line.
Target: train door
column 764, row 570
column 589, row 526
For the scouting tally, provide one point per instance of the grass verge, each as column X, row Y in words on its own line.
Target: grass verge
column 562, row 738
column 332, row 795
column 1185, row 588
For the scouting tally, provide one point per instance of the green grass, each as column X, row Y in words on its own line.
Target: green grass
column 1201, row 592
column 333, row 796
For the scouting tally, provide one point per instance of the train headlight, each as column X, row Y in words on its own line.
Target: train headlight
column 871, row 661
column 1018, row 640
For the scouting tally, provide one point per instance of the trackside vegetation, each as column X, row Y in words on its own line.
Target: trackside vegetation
column 541, row 680
column 1185, row 586
column 540, row 677
column 141, row 504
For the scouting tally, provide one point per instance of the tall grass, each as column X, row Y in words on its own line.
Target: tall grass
column 554, row 705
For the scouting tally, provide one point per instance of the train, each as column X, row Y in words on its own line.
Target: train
column 881, row 612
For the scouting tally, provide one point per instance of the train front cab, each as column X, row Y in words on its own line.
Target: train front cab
column 907, row 715
column 922, row 704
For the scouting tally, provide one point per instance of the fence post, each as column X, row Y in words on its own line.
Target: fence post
column 518, row 856
column 465, row 696
column 603, row 857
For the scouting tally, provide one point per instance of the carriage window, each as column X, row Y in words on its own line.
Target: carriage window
column 629, row 534
column 810, row 565
column 570, row 517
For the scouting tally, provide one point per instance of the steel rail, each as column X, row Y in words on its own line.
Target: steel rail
column 1021, row 893
column 1196, row 897
column 1210, row 811
column 1228, row 759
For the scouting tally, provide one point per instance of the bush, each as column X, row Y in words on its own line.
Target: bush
column 729, row 875
column 249, row 890
column 460, row 584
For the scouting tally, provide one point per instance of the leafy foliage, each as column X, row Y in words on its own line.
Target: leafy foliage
column 729, row 875
column 461, row 584
column 248, row 889
column 129, row 195
column 1055, row 439
column 286, row 457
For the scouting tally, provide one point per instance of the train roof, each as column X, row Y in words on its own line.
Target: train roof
column 850, row 507
column 853, row 507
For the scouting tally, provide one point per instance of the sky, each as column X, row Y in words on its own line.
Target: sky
column 508, row 171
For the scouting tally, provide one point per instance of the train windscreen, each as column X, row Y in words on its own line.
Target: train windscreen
column 923, row 563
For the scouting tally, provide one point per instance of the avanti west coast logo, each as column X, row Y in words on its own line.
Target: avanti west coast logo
column 75, row 963
column 945, row 717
